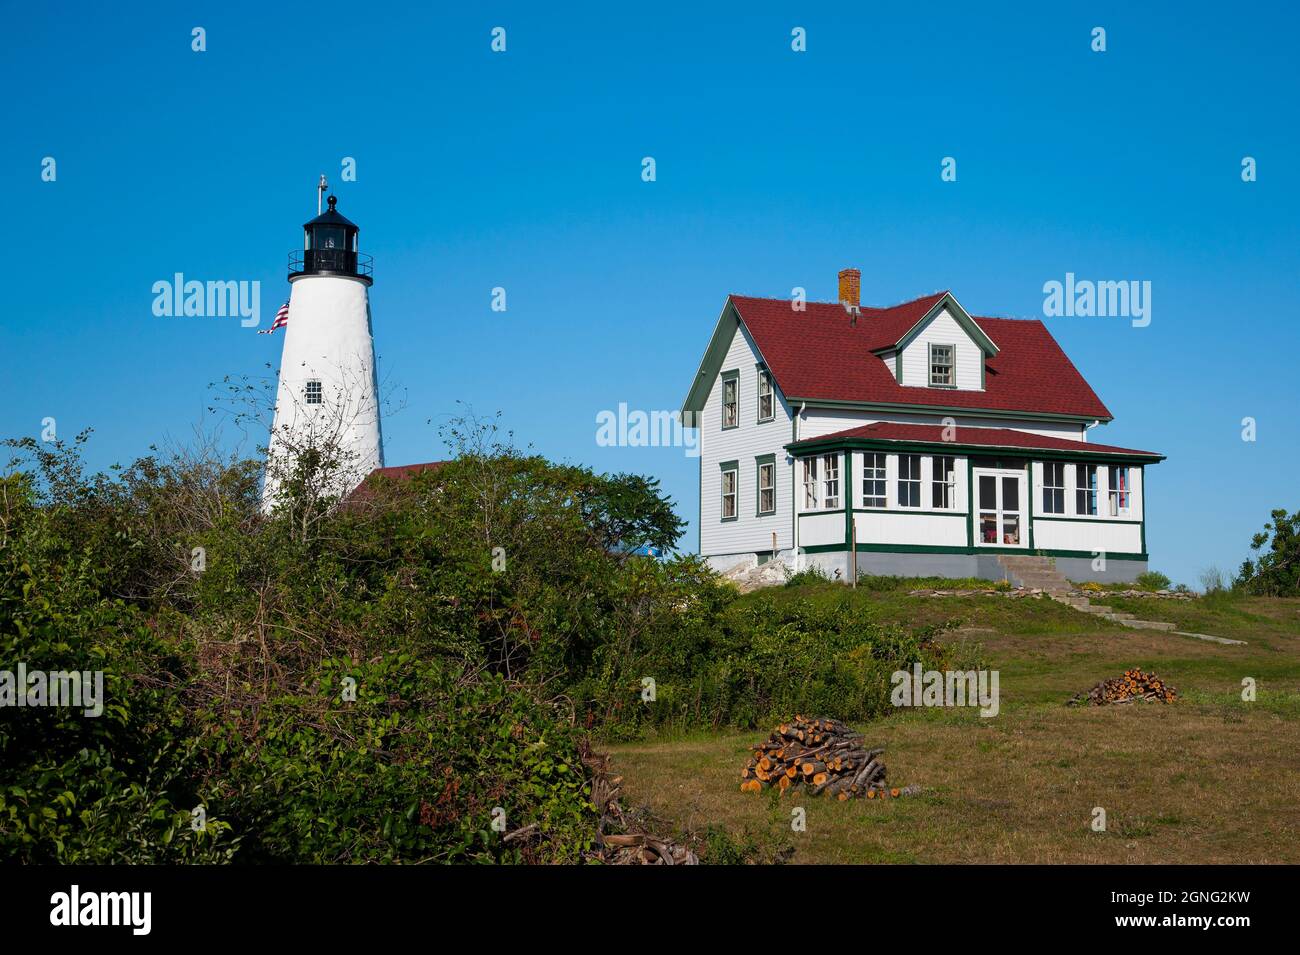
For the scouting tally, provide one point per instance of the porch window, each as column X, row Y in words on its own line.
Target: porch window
column 729, row 494
column 873, row 479
column 766, row 487
column 1085, row 489
column 1120, row 490
column 831, row 481
column 766, row 399
column 810, row 484
column 731, row 401
column 944, row 484
column 909, row 480
column 942, row 360
column 1054, row 487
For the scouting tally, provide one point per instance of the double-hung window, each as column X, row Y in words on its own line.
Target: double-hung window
column 943, row 360
column 1085, row 489
column 730, row 400
column 830, row 481
column 1054, row 487
column 767, row 485
column 810, row 484
column 766, row 396
column 944, row 484
column 873, row 479
column 1121, row 491
column 730, row 495
column 909, row 480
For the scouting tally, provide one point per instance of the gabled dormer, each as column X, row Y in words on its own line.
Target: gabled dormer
column 945, row 348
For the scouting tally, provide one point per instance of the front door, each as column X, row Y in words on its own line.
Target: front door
column 1000, row 519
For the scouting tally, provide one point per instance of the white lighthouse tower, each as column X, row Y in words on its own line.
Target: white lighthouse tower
column 327, row 402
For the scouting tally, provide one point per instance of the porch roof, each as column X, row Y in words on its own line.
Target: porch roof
column 883, row 434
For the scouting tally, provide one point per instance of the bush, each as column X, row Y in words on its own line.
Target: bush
column 1152, row 580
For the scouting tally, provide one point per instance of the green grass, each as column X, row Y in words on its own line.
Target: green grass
column 1208, row 779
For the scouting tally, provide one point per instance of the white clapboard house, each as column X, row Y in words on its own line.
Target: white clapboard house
column 917, row 437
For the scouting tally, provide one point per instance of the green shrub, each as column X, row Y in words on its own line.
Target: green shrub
column 1152, row 580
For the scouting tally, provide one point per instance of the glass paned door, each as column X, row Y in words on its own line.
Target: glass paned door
column 1000, row 517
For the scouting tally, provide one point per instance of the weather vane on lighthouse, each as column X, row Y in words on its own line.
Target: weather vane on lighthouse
column 327, row 398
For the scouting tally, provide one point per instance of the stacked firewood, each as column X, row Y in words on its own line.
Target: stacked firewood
column 629, row 847
column 818, row 756
column 1134, row 685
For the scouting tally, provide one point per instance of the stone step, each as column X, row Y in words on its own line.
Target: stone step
column 1147, row 624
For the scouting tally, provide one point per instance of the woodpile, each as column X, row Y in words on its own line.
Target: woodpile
column 820, row 757
column 1133, row 686
column 631, row 846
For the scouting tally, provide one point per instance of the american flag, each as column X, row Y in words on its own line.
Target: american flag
column 281, row 320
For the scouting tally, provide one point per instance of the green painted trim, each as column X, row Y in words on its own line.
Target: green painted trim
column 970, row 503
column 898, row 367
column 1087, row 520
column 714, row 355
column 726, row 376
column 1023, row 415
column 966, row 551
column 962, row 317
column 1144, row 510
column 819, row 513
column 983, row 363
column 723, row 468
column 906, row 510
column 1029, row 493
column 759, row 461
column 823, row 445
column 846, row 492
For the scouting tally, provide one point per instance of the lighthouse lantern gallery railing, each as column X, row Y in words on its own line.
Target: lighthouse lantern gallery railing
column 330, row 262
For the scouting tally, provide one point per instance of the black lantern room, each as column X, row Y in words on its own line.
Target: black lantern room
column 330, row 248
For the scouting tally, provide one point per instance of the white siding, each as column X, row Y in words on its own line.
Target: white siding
column 943, row 330
column 818, row 422
column 900, row 527
column 1092, row 536
column 749, row 533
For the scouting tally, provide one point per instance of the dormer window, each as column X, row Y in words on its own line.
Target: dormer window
column 942, row 366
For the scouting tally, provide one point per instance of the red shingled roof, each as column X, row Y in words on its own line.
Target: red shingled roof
column 971, row 437
column 817, row 355
column 399, row 473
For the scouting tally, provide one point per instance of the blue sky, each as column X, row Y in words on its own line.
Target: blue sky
column 774, row 169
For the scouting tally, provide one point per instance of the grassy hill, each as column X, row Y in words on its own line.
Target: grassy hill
column 1208, row 779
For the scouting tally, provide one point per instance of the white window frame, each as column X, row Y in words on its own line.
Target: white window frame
column 733, row 494
column 1085, row 496
column 313, row 396
column 950, row 365
column 1121, row 500
column 770, row 487
column 910, row 481
column 830, row 482
column 766, row 392
column 1057, row 491
column 875, row 477
column 810, row 486
column 944, row 483
column 733, row 404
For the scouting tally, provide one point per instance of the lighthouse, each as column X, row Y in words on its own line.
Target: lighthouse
column 327, row 402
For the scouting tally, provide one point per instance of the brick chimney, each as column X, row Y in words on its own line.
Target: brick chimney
column 850, row 288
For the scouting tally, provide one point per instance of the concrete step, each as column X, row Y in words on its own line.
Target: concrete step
column 1146, row 624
